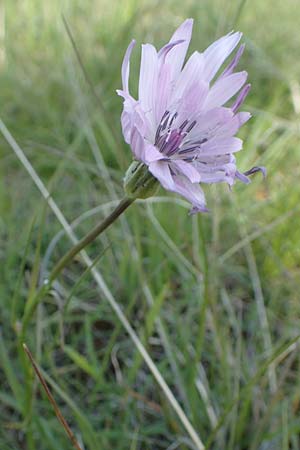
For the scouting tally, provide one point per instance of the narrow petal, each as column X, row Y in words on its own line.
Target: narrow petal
column 224, row 89
column 209, row 122
column 216, row 53
column 126, row 66
column 241, row 97
column 187, row 169
column 232, row 65
column 214, row 171
column 176, row 55
column 166, row 48
column 233, row 125
column 211, row 163
column 183, row 32
column 221, row 146
column 190, row 74
column 148, row 80
column 216, row 177
column 164, row 87
column 193, row 101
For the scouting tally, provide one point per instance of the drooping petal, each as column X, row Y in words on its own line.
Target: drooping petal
column 224, row 89
column 179, row 184
column 137, row 144
column 161, row 171
column 126, row 123
column 143, row 150
column 216, row 53
column 132, row 117
column 126, row 66
column 187, row 169
column 127, row 117
column 152, row 154
column 192, row 192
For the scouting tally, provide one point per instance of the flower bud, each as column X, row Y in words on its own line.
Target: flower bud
column 139, row 182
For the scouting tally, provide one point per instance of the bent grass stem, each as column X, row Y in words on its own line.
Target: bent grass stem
column 51, row 399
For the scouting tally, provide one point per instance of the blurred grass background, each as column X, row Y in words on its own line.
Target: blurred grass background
column 215, row 298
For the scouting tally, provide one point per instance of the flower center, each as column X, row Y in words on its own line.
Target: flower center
column 168, row 140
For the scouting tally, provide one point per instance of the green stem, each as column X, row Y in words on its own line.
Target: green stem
column 67, row 258
column 90, row 237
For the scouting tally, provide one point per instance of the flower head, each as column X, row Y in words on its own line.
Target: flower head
column 179, row 126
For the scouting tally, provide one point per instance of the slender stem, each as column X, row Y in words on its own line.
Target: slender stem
column 90, row 237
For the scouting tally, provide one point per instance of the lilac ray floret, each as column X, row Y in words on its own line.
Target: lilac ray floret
column 182, row 126
column 241, row 98
column 232, row 65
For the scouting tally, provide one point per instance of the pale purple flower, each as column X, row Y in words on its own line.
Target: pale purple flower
column 178, row 126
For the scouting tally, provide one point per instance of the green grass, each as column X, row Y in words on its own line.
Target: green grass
column 214, row 298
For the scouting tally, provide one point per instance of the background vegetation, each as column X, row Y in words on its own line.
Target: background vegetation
column 215, row 298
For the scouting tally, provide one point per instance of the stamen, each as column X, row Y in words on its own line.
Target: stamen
column 190, row 127
column 194, row 146
column 165, row 140
column 183, row 124
column 161, row 126
column 165, row 114
column 157, row 135
column 201, row 141
column 172, row 119
column 164, row 120
column 190, row 159
column 188, row 150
